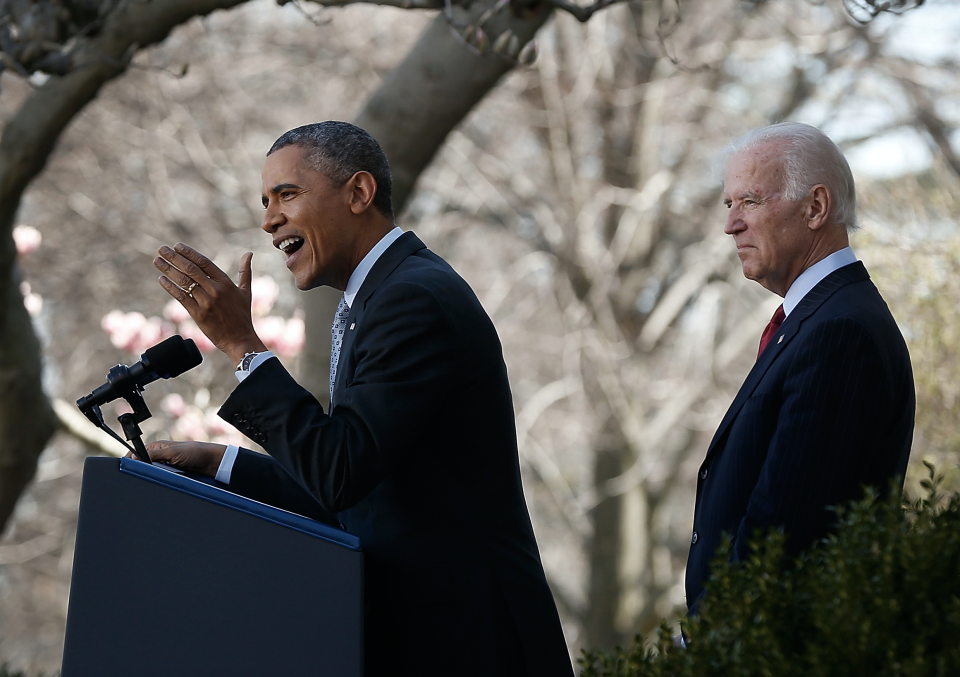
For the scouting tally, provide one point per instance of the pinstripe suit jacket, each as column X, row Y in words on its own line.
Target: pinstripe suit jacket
column 827, row 409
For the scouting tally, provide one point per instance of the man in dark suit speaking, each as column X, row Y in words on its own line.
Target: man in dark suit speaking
column 829, row 404
column 418, row 453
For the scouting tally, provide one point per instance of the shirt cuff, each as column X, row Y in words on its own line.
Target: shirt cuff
column 254, row 363
column 226, row 464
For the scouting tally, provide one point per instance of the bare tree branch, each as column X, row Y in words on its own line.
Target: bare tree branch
column 402, row 4
column 582, row 14
column 76, row 424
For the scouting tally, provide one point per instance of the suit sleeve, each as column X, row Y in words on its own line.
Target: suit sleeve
column 261, row 478
column 834, row 401
column 405, row 369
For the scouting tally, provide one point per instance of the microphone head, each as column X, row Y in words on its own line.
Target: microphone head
column 172, row 357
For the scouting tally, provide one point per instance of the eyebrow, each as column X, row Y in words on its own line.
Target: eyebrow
column 283, row 186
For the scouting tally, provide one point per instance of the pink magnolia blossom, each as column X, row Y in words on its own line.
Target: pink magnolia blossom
column 194, row 423
column 215, row 424
column 152, row 332
column 191, row 426
column 173, row 405
column 27, row 239
column 134, row 333
column 263, row 292
column 294, row 337
column 269, row 329
column 284, row 337
column 123, row 328
column 190, row 330
column 175, row 312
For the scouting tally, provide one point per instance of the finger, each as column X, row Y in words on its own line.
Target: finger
column 161, row 450
column 246, row 271
column 178, row 277
column 194, row 275
column 178, row 293
column 205, row 265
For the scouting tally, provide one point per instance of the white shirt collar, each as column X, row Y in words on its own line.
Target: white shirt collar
column 812, row 276
column 360, row 273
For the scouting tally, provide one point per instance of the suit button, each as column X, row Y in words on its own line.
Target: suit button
column 703, row 474
column 695, row 538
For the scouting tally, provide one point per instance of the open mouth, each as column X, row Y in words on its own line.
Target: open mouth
column 290, row 245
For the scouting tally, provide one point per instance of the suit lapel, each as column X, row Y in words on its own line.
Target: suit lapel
column 854, row 272
column 406, row 244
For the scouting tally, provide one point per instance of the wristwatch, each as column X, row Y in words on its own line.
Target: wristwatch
column 245, row 362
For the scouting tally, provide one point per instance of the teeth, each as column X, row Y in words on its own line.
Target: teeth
column 290, row 241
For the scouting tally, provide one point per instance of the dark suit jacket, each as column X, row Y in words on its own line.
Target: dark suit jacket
column 827, row 409
column 418, row 457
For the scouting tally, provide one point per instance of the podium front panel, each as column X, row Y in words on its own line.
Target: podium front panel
column 172, row 576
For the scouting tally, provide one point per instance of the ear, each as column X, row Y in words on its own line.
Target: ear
column 818, row 207
column 363, row 188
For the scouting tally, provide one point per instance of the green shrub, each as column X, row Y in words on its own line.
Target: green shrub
column 879, row 597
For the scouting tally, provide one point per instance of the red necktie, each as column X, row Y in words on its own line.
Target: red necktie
column 771, row 329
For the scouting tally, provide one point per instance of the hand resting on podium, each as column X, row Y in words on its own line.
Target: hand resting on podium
column 202, row 458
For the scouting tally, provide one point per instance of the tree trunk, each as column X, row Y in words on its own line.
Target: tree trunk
column 605, row 584
column 410, row 115
column 433, row 89
column 27, row 420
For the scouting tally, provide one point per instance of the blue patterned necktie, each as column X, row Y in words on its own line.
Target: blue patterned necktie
column 336, row 340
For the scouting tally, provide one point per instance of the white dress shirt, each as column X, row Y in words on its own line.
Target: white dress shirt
column 356, row 280
column 813, row 275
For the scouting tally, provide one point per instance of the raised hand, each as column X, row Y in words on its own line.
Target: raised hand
column 219, row 307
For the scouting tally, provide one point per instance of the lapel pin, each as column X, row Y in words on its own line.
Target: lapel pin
column 354, row 324
column 779, row 340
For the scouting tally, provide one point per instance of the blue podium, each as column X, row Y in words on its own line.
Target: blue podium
column 176, row 576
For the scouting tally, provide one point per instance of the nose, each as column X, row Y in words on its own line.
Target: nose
column 272, row 218
column 735, row 223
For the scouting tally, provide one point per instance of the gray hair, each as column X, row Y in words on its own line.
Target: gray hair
column 338, row 150
column 810, row 158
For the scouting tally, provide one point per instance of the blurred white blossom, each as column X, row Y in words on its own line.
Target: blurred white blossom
column 264, row 291
column 27, row 239
column 31, row 301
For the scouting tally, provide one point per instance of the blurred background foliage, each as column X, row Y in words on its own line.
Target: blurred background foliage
column 578, row 198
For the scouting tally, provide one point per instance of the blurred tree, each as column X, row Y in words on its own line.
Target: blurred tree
column 76, row 47
column 615, row 133
column 596, row 172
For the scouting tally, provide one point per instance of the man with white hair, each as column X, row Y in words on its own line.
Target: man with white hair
column 828, row 408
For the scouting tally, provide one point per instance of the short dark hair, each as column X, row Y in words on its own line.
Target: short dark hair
column 338, row 150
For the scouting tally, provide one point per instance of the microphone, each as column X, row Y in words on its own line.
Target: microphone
column 167, row 359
